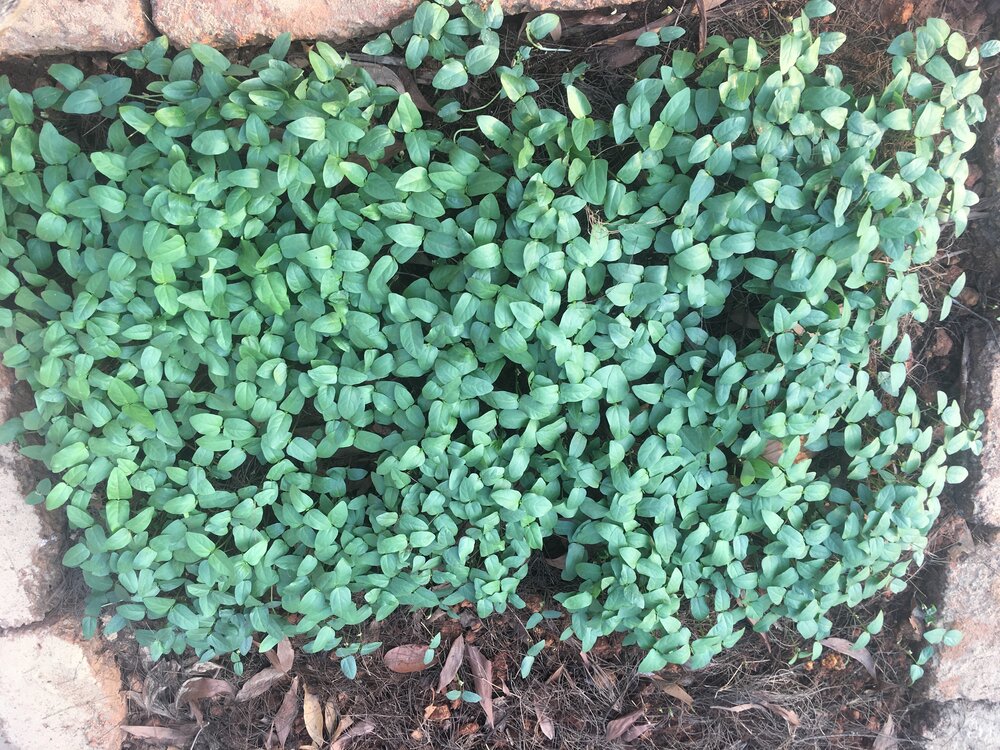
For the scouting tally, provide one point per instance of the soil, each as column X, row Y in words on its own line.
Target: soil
column 760, row 694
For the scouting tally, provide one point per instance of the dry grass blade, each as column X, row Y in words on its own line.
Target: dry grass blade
column 405, row 659
column 886, row 739
column 556, row 675
column 285, row 718
column 740, row 708
column 312, row 715
column 201, row 688
column 482, row 677
column 356, row 730
column 861, row 655
column 545, row 725
column 621, row 725
column 260, row 683
column 456, row 655
column 163, row 735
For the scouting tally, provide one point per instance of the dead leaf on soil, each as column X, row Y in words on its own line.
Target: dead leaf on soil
column 406, row 659
column 312, row 714
column 559, row 563
column 435, row 712
column 342, row 726
column 861, row 655
column 600, row 19
column 456, row 655
column 886, row 739
column 260, row 683
column 163, row 735
column 636, row 732
column 331, row 718
column 399, row 79
column 357, row 729
column 787, row 714
column 285, row 718
column 676, row 691
column 556, row 675
column 545, row 725
column 202, row 688
column 482, row 677
column 621, row 725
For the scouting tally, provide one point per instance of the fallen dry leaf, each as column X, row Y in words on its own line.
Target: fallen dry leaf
column 559, row 563
column 312, row 714
column 342, row 726
column 545, row 725
column 260, row 683
column 201, row 688
column 406, row 659
column 790, row 717
column 435, row 712
column 469, row 729
column 861, row 655
column 676, row 691
column 356, row 730
column 398, row 78
column 482, row 677
column 886, row 739
column 738, row 709
column 285, row 718
column 331, row 718
column 622, row 724
column 456, row 655
column 286, row 655
column 163, row 735
column 636, row 732
column 556, row 675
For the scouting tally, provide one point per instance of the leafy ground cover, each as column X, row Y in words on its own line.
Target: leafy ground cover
column 729, row 291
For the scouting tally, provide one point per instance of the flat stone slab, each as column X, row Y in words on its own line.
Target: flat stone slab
column 58, row 691
column 231, row 24
column 30, row 537
column 965, row 725
column 970, row 603
column 982, row 391
column 224, row 23
column 54, row 26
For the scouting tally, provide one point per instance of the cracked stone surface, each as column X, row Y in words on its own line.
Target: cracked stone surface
column 30, row 538
column 982, row 391
column 58, row 690
column 53, row 26
column 228, row 24
column 965, row 725
column 970, row 602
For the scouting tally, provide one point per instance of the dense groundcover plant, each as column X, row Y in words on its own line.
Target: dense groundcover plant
column 301, row 348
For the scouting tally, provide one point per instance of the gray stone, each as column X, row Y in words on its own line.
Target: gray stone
column 58, row 691
column 970, row 603
column 965, row 725
column 54, row 26
column 30, row 537
column 228, row 24
column 981, row 376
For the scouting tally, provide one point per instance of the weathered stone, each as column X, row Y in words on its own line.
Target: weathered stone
column 58, row 691
column 229, row 24
column 981, row 380
column 965, row 725
column 30, row 537
column 970, row 603
column 53, row 26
